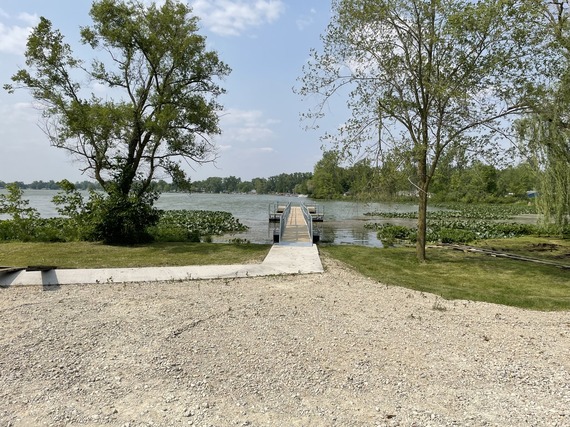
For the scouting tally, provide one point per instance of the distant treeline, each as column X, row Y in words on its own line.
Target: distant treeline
column 283, row 183
column 476, row 182
column 287, row 183
column 52, row 185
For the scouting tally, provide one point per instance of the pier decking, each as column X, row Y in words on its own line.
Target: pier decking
column 295, row 223
column 296, row 229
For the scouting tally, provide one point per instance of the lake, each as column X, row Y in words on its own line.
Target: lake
column 343, row 220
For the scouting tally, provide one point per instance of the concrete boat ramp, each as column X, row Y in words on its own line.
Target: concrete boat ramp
column 281, row 259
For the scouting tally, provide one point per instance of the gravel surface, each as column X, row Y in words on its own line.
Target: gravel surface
column 332, row 349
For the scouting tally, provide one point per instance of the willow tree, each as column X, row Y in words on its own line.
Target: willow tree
column 147, row 104
column 546, row 130
column 423, row 77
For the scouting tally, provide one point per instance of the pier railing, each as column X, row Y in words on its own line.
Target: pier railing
column 283, row 220
column 308, row 219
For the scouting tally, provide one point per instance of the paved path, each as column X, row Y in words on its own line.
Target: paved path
column 280, row 260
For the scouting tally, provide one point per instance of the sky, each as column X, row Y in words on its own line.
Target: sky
column 265, row 43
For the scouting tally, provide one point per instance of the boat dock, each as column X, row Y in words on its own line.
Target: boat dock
column 295, row 223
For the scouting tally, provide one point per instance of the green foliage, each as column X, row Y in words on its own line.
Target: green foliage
column 26, row 224
column 282, row 183
column 239, row 241
column 451, row 235
column 166, row 86
column 14, row 205
column 117, row 219
column 389, row 234
column 328, row 177
column 457, row 210
column 110, row 219
column 71, row 205
column 544, row 132
column 422, row 99
column 194, row 226
column 464, row 224
column 24, row 218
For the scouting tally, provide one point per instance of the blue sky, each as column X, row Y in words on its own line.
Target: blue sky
column 265, row 42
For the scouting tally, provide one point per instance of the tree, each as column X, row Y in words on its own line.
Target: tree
column 425, row 77
column 328, row 177
column 545, row 132
column 160, row 104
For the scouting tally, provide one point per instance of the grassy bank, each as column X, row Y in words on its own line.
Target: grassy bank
column 96, row 255
column 458, row 275
column 448, row 273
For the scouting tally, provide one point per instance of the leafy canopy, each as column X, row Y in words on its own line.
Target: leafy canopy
column 422, row 78
column 159, row 84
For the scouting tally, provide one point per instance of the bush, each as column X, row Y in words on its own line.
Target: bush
column 24, row 220
column 125, row 220
column 388, row 233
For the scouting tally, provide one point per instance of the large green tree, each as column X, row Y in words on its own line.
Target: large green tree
column 546, row 130
column 424, row 77
column 160, row 87
column 328, row 180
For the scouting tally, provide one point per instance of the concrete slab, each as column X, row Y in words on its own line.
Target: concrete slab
column 281, row 259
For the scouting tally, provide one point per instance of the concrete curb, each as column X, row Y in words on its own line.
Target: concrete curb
column 281, row 259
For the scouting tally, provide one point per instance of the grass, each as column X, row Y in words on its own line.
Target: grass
column 97, row 255
column 466, row 276
column 447, row 273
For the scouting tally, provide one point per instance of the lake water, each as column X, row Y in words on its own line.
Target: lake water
column 343, row 220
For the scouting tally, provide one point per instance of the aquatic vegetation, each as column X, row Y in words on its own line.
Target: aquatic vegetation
column 488, row 212
column 459, row 224
column 177, row 225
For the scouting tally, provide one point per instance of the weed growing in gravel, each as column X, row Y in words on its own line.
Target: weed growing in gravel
column 438, row 305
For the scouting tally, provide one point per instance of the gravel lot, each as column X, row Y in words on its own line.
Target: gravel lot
column 332, row 349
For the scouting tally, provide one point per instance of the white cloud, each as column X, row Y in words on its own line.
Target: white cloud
column 246, row 126
column 234, row 17
column 13, row 38
column 305, row 21
column 28, row 18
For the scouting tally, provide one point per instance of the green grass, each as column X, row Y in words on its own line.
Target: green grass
column 97, row 255
column 457, row 275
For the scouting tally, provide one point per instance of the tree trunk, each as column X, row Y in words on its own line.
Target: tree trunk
column 422, row 208
column 422, row 225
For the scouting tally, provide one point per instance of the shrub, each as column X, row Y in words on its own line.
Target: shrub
column 120, row 219
column 388, row 233
column 24, row 220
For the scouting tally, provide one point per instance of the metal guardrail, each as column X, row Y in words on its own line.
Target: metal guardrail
column 283, row 221
column 317, row 211
column 308, row 219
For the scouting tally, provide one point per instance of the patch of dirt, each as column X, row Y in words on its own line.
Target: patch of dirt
column 331, row 349
column 542, row 247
